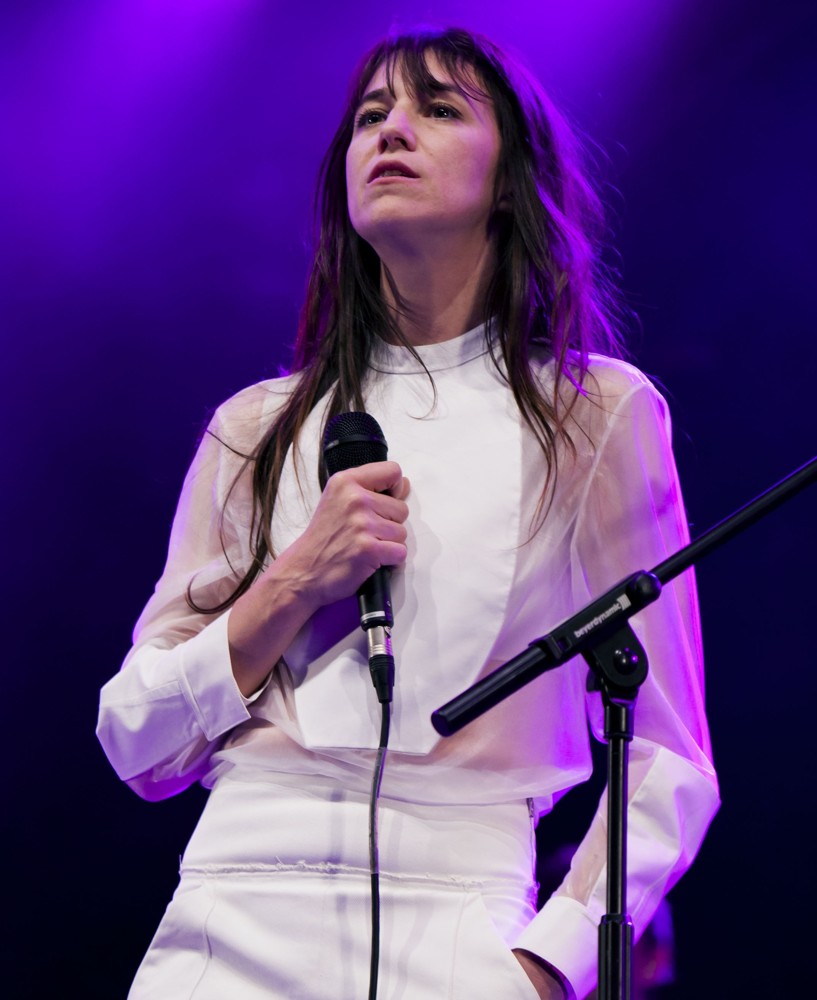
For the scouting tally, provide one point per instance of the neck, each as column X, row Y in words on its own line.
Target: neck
column 436, row 296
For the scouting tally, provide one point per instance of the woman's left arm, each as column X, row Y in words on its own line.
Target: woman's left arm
column 632, row 517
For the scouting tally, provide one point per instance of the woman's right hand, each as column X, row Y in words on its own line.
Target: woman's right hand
column 358, row 526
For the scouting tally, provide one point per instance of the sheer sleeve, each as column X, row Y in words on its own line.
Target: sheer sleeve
column 175, row 697
column 632, row 517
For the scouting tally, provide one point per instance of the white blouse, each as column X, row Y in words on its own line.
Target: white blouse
column 484, row 576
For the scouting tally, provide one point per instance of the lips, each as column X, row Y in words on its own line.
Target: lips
column 391, row 168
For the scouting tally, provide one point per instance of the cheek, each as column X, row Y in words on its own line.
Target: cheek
column 482, row 173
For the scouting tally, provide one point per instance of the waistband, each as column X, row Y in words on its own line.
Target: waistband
column 262, row 826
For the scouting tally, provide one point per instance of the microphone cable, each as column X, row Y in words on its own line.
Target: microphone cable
column 350, row 440
column 377, row 626
column 374, row 853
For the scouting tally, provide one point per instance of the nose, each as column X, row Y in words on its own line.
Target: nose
column 396, row 132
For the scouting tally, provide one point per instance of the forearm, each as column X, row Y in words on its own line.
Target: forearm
column 264, row 621
column 671, row 803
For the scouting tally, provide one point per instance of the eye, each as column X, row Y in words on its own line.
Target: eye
column 369, row 116
column 443, row 111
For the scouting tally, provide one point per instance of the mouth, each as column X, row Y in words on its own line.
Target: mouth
column 391, row 168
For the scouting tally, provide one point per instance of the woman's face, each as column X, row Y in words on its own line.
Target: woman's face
column 421, row 166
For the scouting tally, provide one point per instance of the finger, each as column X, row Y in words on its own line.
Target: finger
column 389, row 553
column 389, row 508
column 390, row 531
column 401, row 491
column 379, row 477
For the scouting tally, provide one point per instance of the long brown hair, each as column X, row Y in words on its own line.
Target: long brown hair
column 549, row 294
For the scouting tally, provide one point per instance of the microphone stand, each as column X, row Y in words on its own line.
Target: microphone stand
column 601, row 633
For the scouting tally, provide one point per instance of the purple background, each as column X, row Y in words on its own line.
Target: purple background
column 156, row 167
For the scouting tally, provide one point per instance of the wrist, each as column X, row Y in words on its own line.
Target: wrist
column 263, row 622
column 548, row 980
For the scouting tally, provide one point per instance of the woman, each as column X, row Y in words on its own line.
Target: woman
column 456, row 295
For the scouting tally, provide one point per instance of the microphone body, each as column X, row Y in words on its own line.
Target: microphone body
column 353, row 439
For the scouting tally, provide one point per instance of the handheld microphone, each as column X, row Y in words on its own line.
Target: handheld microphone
column 350, row 440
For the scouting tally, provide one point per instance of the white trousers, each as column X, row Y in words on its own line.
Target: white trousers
column 274, row 900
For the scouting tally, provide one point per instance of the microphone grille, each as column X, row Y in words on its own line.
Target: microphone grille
column 352, row 439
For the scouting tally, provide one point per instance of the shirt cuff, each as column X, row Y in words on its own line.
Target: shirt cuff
column 207, row 681
column 564, row 934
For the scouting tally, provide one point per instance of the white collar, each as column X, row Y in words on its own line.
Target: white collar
column 394, row 359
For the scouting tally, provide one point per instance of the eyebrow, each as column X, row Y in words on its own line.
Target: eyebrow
column 382, row 93
column 375, row 95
